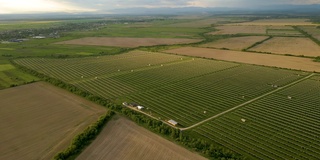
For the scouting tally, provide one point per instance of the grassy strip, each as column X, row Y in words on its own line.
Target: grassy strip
column 317, row 59
column 199, row 144
column 257, row 43
column 84, row 139
column 307, row 34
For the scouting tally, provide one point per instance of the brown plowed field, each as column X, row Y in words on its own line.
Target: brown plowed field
column 297, row 63
column 289, row 45
column 236, row 43
column 39, row 120
column 128, row 42
column 122, row 139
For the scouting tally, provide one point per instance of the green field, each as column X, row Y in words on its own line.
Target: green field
column 188, row 90
column 276, row 127
column 281, row 125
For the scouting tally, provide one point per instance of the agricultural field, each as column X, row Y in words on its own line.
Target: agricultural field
column 289, row 45
column 10, row 76
column 123, row 139
column 284, row 32
column 289, row 62
column 239, row 29
column 38, row 120
column 235, row 43
column 205, row 22
column 312, row 30
column 284, row 125
column 128, row 42
column 278, row 22
column 169, row 84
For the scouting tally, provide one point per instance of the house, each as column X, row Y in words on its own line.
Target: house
column 140, row 107
column 172, row 122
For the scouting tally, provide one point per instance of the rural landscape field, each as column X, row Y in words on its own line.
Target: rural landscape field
column 175, row 85
column 48, row 119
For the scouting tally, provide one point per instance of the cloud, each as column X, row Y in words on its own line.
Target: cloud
column 36, row 6
column 19, row 6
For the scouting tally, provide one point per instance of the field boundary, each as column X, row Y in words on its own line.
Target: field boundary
column 245, row 103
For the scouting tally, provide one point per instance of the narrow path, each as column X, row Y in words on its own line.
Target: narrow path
column 250, row 101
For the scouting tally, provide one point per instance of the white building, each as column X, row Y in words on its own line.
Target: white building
column 172, row 122
column 140, row 107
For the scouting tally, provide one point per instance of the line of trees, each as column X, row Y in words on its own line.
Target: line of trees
column 85, row 138
column 193, row 142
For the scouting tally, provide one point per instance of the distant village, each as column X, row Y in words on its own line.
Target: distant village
column 15, row 36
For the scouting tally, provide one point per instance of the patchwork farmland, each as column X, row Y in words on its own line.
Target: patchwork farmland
column 289, row 62
column 235, row 43
column 289, row 45
column 188, row 90
column 128, row 42
column 166, row 84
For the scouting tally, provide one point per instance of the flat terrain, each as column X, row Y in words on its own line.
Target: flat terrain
column 236, row 43
column 239, row 29
column 284, row 125
column 38, row 120
column 123, row 139
column 278, row 22
column 251, row 58
column 313, row 31
column 284, row 32
column 185, row 89
column 289, row 45
column 128, row 42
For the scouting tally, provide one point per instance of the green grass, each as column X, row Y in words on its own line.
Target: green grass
column 14, row 77
column 5, row 67
column 276, row 127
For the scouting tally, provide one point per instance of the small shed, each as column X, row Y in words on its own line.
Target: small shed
column 172, row 122
column 243, row 120
column 140, row 107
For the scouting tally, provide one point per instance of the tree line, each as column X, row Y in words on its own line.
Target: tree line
column 85, row 138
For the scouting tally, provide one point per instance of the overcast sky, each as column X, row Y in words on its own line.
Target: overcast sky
column 34, row 6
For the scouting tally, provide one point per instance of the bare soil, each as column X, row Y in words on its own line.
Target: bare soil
column 236, row 43
column 289, row 45
column 39, row 120
column 128, row 42
column 289, row 62
column 123, row 139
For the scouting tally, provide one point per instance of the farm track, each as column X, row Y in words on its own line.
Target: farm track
column 243, row 104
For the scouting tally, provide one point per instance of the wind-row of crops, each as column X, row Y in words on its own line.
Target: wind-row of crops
column 149, row 78
column 185, row 89
column 84, row 68
column 284, row 125
column 198, row 98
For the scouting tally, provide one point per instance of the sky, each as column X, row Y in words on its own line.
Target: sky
column 73, row 6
